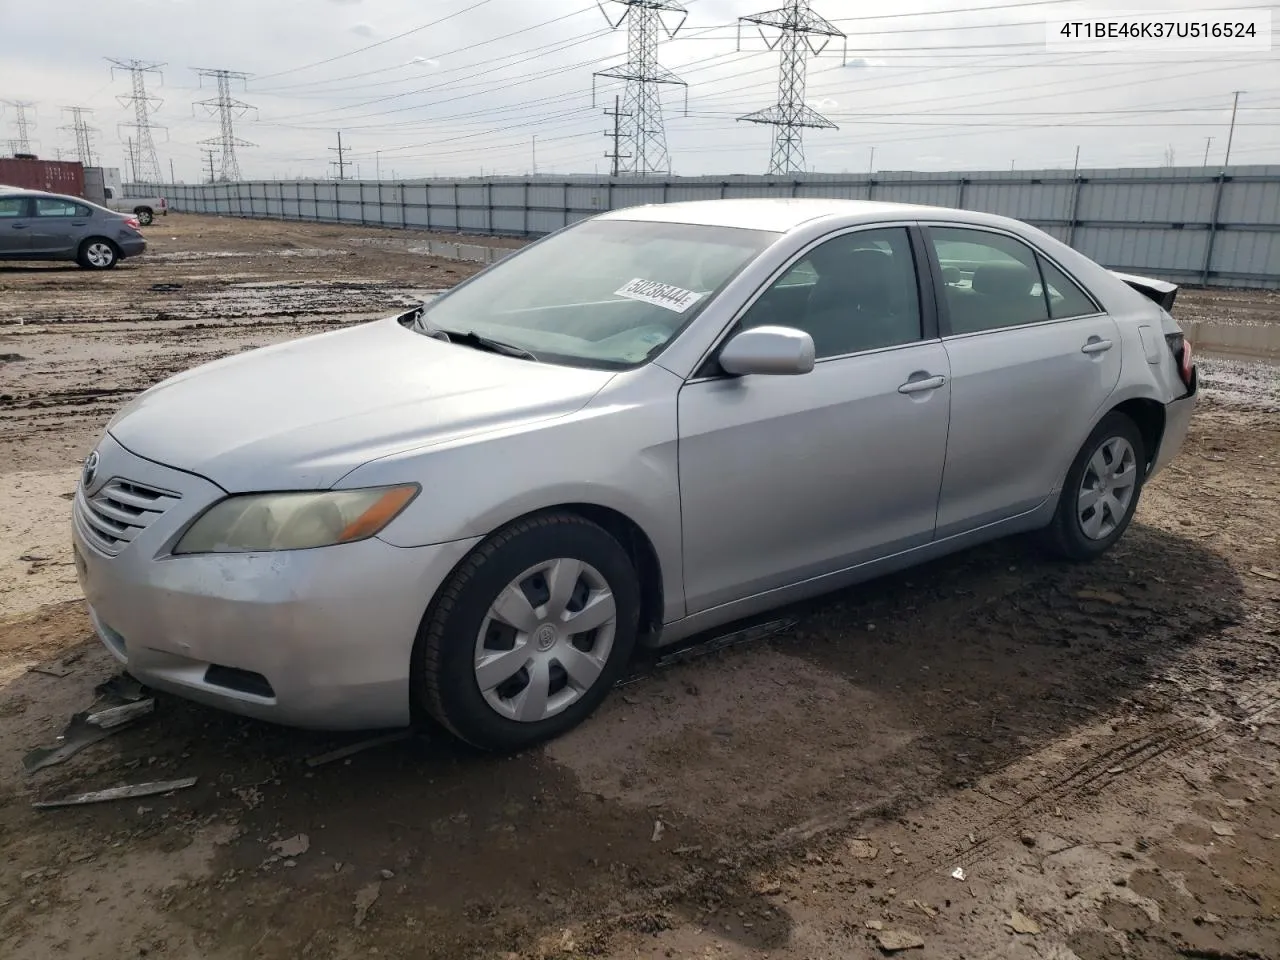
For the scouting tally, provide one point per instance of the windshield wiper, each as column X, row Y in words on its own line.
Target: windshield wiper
column 473, row 339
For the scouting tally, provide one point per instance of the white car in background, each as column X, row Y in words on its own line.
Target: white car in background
column 146, row 209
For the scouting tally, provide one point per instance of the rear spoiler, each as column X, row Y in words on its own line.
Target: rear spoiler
column 1161, row 291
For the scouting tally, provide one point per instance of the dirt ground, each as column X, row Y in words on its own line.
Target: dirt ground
column 991, row 756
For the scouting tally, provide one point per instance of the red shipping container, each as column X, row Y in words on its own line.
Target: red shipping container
column 55, row 176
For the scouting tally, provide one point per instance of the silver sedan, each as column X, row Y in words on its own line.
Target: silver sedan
column 643, row 426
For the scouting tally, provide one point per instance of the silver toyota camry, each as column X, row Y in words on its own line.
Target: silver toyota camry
column 645, row 425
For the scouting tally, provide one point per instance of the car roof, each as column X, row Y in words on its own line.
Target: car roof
column 783, row 214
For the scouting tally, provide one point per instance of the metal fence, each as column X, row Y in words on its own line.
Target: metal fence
column 1187, row 225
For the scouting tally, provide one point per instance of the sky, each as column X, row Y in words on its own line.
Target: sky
column 452, row 88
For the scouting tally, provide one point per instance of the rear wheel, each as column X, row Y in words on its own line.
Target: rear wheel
column 529, row 634
column 1101, row 492
column 144, row 215
column 98, row 253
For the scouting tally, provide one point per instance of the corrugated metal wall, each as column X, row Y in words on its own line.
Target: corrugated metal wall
column 1183, row 224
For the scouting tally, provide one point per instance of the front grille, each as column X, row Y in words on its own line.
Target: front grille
column 121, row 510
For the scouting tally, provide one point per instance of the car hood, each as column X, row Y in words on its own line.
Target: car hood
column 300, row 415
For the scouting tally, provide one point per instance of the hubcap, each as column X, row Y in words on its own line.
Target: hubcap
column 1107, row 487
column 545, row 640
column 100, row 254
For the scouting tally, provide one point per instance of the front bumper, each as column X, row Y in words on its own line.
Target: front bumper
column 1177, row 420
column 311, row 638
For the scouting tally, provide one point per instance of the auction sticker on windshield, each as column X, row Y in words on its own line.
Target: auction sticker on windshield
column 673, row 298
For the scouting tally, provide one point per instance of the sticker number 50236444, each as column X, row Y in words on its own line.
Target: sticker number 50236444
column 676, row 299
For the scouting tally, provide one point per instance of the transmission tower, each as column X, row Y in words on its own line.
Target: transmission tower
column 643, row 132
column 798, row 37
column 83, row 134
column 143, row 154
column 22, row 142
column 227, row 108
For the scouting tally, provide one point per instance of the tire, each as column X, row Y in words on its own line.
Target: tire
column 98, row 253
column 525, row 562
column 144, row 215
column 1083, row 529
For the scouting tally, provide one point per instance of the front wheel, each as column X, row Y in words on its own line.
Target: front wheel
column 98, row 254
column 144, row 215
column 1101, row 491
column 529, row 634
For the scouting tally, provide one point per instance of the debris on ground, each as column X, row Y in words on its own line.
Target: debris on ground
column 1224, row 830
column 386, row 874
column 118, row 793
column 958, row 873
column 863, row 848
column 891, row 941
column 78, row 735
column 122, row 688
column 1265, row 574
column 1103, row 596
column 923, row 907
column 365, row 898
column 351, row 749
column 111, row 717
column 658, row 829
column 874, row 924
column 51, row 670
column 1021, row 923
column 294, row 846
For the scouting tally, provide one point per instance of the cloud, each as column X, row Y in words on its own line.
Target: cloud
column 823, row 103
column 862, row 63
column 421, row 62
column 346, row 3
column 362, row 30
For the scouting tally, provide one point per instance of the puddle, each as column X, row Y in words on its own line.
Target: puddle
column 1256, row 341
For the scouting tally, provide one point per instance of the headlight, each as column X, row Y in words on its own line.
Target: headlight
column 294, row 521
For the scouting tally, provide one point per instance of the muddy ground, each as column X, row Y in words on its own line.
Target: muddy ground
column 993, row 755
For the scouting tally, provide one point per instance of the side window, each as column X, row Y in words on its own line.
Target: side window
column 52, row 207
column 13, row 207
column 990, row 280
column 852, row 293
column 1066, row 300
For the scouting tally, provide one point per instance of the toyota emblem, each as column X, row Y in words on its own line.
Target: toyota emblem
column 90, row 470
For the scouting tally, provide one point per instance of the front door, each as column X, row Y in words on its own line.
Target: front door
column 784, row 478
column 1033, row 359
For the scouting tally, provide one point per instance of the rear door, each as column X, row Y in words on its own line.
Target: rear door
column 59, row 225
column 15, row 226
column 1033, row 358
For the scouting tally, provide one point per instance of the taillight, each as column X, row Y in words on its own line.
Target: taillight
column 1180, row 346
column 132, row 222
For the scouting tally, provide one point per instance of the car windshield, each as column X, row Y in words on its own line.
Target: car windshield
column 608, row 293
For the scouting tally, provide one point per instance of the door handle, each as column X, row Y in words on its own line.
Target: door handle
column 1096, row 346
column 21, row 226
column 921, row 385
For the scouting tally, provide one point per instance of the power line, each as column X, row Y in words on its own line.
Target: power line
column 617, row 156
column 146, row 165
column 798, row 31
column 82, row 132
column 209, row 155
column 23, row 124
column 378, row 43
column 342, row 162
column 644, row 131
column 228, row 108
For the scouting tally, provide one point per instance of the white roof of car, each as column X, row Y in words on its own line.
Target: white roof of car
column 779, row 214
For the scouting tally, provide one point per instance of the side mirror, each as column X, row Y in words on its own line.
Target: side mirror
column 768, row 350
